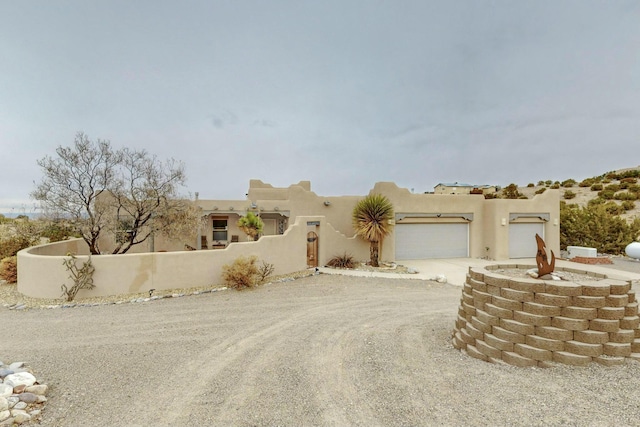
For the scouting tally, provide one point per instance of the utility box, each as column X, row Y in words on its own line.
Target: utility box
column 581, row 251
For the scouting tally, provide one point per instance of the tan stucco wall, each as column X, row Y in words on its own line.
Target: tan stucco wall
column 485, row 230
column 41, row 272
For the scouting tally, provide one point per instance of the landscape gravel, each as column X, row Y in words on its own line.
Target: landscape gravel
column 319, row 350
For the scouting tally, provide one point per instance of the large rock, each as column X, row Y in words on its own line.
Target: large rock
column 16, row 365
column 40, row 389
column 28, row 397
column 4, row 415
column 20, row 378
column 6, row 390
column 4, row 404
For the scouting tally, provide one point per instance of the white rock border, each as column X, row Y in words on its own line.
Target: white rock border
column 22, row 396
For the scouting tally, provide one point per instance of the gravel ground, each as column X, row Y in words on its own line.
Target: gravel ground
column 321, row 350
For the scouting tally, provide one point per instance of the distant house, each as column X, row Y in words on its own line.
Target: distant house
column 462, row 188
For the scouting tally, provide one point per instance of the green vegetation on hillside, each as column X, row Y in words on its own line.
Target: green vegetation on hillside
column 608, row 221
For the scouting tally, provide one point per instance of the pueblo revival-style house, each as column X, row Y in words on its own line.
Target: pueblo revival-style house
column 440, row 225
column 301, row 230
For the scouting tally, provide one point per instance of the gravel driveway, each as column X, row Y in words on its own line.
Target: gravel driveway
column 324, row 350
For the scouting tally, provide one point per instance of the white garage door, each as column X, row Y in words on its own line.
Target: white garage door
column 424, row 241
column 522, row 239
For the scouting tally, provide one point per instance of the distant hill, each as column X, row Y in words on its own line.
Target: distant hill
column 621, row 187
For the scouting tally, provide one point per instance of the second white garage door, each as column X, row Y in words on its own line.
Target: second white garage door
column 522, row 239
column 424, row 241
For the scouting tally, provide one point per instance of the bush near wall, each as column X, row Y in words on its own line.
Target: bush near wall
column 9, row 269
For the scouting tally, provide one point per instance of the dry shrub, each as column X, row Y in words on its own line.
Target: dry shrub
column 245, row 273
column 342, row 261
column 11, row 245
column 265, row 271
column 9, row 269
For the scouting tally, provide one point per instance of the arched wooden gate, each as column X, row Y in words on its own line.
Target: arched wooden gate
column 312, row 249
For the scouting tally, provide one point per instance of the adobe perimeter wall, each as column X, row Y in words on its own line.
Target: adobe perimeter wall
column 530, row 322
column 41, row 271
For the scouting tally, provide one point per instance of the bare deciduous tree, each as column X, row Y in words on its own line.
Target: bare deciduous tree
column 73, row 182
column 128, row 192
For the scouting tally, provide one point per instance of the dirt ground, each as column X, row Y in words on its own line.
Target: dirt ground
column 324, row 350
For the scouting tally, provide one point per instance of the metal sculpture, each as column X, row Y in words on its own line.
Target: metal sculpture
column 541, row 258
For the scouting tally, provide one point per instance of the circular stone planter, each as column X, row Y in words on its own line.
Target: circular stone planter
column 633, row 250
column 531, row 322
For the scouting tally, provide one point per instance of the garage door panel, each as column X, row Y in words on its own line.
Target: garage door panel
column 424, row 241
column 522, row 239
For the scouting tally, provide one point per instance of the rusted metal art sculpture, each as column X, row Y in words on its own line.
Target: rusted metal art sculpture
column 541, row 258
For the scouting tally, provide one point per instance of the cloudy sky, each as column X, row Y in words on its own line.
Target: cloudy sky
column 341, row 93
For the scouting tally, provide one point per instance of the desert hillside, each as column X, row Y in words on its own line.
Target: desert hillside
column 620, row 187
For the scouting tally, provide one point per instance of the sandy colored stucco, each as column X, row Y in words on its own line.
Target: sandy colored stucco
column 41, row 272
column 40, row 269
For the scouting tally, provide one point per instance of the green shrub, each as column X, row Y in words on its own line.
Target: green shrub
column 58, row 231
column 548, row 182
column 568, row 183
column 586, row 182
column 244, row 273
column 613, row 208
column 629, row 180
column 596, row 187
column 569, row 195
column 555, row 186
column 624, row 195
column 633, row 188
column 540, row 183
column 9, row 269
column 612, row 187
column 511, row 192
column 627, row 205
column 541, row 190
column 342, row 261
column 594, row 226
column 529, row 185
column 606, row 194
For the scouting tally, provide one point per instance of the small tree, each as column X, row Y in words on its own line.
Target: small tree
column 251, row 224
column 73, row 182
column 371, row 221
column 511, row 192
column 99, row 189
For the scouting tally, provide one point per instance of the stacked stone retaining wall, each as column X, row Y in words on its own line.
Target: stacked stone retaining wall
column 532, row 322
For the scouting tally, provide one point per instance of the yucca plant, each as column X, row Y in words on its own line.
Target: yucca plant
column 371, row 221
column 251, row 224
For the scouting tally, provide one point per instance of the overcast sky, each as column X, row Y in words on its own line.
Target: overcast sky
column 343, row 93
